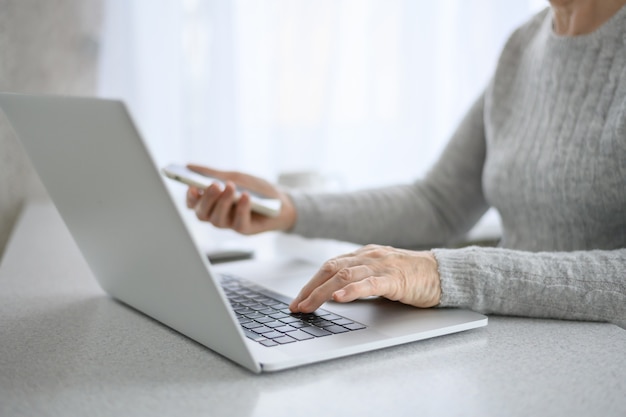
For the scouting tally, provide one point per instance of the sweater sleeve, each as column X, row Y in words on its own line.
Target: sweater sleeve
column 579, row 285
column 434, row 211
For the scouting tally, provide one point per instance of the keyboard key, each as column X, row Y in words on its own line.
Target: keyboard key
column 283, row 340
column 355, row 326
column 315, row 331
column 278, row 315
column 253, row 336
column 289, row 319
column 248, row 303
column 262, row 329
column 299, row 324
column 341, row 321
column 244, row 310
column 264, row 319
column 300, row 335
column 285, row 329
column 258, row 297
column 268, row 343
column 251, row 325
column 336, row 329
column 272, row 335
column 321, row 323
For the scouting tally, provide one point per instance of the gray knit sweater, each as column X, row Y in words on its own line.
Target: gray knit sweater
column 546, row 146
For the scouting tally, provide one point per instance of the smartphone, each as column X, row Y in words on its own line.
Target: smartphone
column 260, row 204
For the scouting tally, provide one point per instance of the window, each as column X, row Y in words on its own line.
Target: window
column 365, row 91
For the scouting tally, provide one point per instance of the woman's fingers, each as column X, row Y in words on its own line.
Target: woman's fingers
column 335, row 275
column 327, row 270
column 193, row 196
column 242, row 221
column 221, row 214
column 220, row 207
column 331, row 268
column 205, row 205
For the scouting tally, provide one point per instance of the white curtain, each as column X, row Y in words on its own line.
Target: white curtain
column 365, row 91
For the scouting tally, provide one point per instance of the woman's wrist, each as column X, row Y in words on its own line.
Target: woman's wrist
column 434, row 280
column 288, row 214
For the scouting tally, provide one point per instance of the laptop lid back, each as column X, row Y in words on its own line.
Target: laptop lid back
column 103, row 181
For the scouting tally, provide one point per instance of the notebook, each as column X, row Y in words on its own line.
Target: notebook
column 105, row 184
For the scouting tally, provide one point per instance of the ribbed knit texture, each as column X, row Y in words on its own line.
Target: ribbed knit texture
column 546, row 146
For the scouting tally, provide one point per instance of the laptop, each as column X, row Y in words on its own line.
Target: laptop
column 114, row 200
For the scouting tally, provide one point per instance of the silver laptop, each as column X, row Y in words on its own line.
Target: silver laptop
column 113, row 199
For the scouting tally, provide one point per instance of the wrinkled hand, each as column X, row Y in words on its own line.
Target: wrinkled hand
column 218, row 206
column 401, row 275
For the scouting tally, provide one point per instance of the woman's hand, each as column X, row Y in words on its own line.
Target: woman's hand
column 402, row 275
column 218, row 206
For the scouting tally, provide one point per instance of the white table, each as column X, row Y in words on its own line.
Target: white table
column 68, row 349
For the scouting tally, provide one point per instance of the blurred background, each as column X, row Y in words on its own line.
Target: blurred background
column 361, row 92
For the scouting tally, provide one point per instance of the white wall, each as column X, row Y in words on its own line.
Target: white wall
column 45, row 47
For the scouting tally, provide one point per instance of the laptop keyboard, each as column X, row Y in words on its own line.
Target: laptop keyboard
column 265, row 316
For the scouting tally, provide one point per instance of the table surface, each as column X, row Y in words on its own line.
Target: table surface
column 66, row 348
